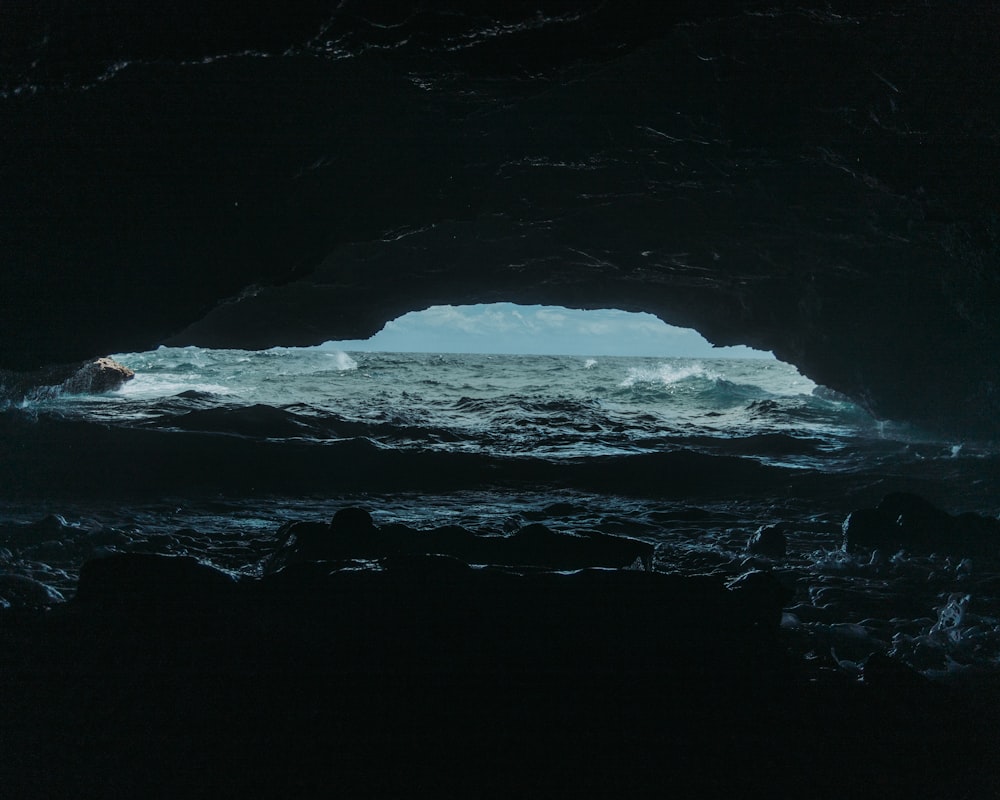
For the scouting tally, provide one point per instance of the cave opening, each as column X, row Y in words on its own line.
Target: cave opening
column 492, row 378
column 495, row 379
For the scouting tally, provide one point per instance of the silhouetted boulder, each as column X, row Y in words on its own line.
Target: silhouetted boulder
column 907, row 521
column 868, row 528
column 918, row 520
column 52, row 523
column 353, row 535
column 769, row 541
column 537, row 545
column 301, row 542
column 20, row 591
column 146, row 582
column 352, row 520
column 762, row 596
column 884, row 672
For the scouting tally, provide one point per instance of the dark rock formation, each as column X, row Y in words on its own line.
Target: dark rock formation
column 21, row 592
column 353, row 535
column 147, row 582
column 418, row 612
column 907, row 521
column 54, row 524
column 699, row 161
column 889, row 674
column 352, row 521
column 762, row 595
column 92, row 377
column 101, row 375
column 768, row 540
column 165, row 678
column 539, row 545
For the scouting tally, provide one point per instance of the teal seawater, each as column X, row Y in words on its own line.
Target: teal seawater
column 555, row 407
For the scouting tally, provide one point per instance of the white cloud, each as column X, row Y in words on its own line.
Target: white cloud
column 550, row 317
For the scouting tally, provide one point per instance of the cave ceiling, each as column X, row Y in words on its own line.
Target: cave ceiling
column 819, row 182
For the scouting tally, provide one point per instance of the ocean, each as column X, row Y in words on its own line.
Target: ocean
column 209, row 452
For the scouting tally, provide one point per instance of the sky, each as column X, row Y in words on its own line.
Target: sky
column 541, row 330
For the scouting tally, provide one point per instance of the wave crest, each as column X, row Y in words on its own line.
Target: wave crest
column 665, row 374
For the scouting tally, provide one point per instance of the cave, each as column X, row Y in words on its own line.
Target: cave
column 814, row 181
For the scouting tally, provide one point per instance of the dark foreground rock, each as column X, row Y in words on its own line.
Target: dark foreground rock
column 132, row 583
column 353, row 534
column 20, row 591
column 908, row 521
column 419, row 674
column 768, row 541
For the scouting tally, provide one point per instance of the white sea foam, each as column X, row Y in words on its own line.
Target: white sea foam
column 951, row 616
column 590, row 363
column 665, row 374
column 147, row 387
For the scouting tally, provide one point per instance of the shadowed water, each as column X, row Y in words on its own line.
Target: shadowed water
column 208, row 453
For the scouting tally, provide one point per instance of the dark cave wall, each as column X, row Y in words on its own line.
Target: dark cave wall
column 817, row 182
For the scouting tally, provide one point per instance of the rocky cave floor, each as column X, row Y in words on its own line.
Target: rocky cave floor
column 412, row 674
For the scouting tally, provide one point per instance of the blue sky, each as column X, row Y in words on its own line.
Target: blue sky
column 541, row 330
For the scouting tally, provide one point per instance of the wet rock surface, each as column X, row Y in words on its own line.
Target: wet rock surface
column 907, row 521
column 92, row 377
column 768, row 540
column 22, row 592
column 353, row 535
column 101, row 375
column 421, row 669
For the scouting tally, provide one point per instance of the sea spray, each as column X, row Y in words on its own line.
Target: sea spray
column 666, row 374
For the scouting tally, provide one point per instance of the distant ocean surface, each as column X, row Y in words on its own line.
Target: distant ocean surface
column 552, row 407
column 208, row 452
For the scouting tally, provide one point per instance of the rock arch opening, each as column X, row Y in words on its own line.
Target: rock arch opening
column 497, row 379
